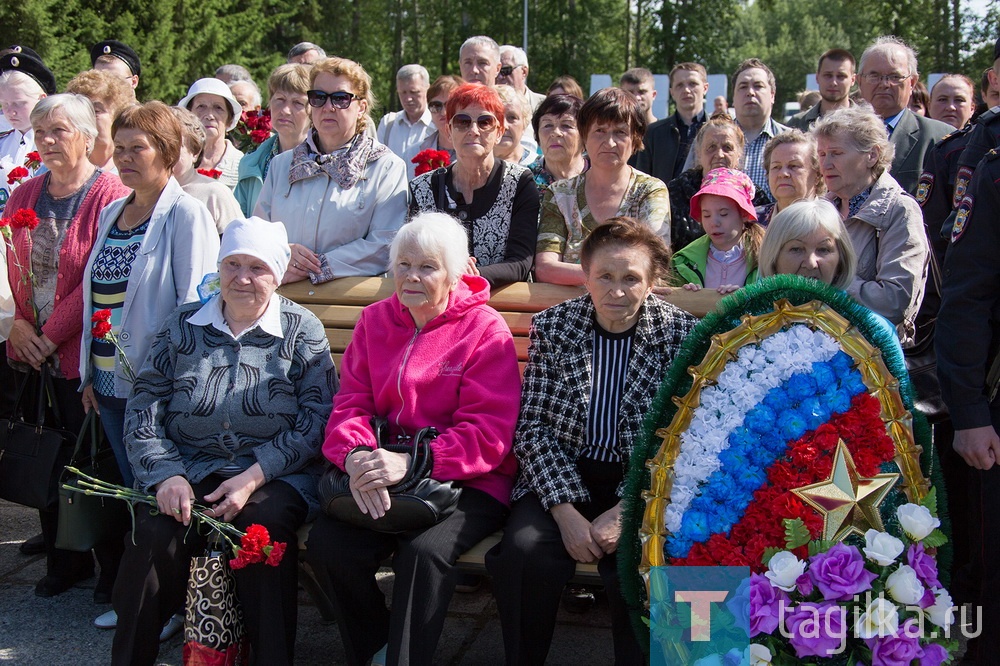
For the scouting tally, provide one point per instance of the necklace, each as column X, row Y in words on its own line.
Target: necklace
column 129, row 227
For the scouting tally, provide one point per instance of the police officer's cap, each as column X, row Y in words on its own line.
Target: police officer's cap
column 24, row 60
column 120, row 50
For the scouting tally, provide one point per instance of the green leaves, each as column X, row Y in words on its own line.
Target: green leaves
column 796, row 533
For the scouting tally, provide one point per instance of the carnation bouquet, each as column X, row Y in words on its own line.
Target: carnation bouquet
column 429, row 160
column 784, row 440
column 253, row 129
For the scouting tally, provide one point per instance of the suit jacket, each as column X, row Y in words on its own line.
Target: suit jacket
column 662, row 141
column 913, row 137
column 803, row 120
column 555, row 394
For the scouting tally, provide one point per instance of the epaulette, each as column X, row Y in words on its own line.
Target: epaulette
column 4, row 135
column 957, row 133
column 991, row 155
column 988, row 116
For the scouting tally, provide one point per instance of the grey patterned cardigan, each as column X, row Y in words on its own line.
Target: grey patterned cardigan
column 203, row 401
column 555, row 394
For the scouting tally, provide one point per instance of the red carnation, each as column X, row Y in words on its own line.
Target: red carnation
column 17, row 174
column 277, row 552
column 238, row 562
column 264, row 120
column 24, row 218
column 259, row 136
column 100, row 330
column 101, row 315
column 211, row 173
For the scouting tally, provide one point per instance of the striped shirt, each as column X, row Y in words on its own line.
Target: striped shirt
column 610, row 369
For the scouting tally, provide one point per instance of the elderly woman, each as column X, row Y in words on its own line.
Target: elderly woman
column 808, row 238
column 216, row 107
column 885, row 224
column 249, row 451
column 953, row 100
column 437, row 100
column 514, row 144
column 48, row 318
column 340, row 194
column 23, row 81
column 216, row 197
column 496, row 200
column 559, row 139
column 594, row 365
column 109, row 94
column 718, row 145
column 434, row 354
column 289, row 106
column 612, row 127
column 792, row 172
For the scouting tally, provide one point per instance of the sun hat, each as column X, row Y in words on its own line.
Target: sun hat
column 211, row 86
column 267, row 241
column 730, row 183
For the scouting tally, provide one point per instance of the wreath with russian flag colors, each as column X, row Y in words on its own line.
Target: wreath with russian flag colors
column 784, row 440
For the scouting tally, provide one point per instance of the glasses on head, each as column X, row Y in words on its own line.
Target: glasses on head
column 339, row 100
column 435, row 106
column 462, row 122
column 891, row 79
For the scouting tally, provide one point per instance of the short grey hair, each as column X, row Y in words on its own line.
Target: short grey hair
column 77, row 109
column 520, row 57
column 305, row 47
column 798, row 221
column 233, row 73
column 434, row 233
column 886, row 46
column 482, row 40
column 414, row 71
column 255, row 96
column 511, row 97
column 863, row 128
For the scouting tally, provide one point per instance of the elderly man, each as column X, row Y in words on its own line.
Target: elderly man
column 668, row 141
column 247, row 94
column 835, row 77
column 753, row 98
column 230, row 73
column 479, row 60
column 117, row 58
column 514, row 73
column 305, row 53
column 404, row 131
column 888, row 74
column 639, row 82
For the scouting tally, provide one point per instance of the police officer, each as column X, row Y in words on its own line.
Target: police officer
column 117, row 58
column 967, row 341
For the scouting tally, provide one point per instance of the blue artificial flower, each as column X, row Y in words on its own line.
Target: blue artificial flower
column 778, row 400
column 800, row 387
column 752, row 477
column 815, row 412
column 841, row 362
column 824, row 373
column 791, row 425
column 760, row 419
column 695, row 525
column 677, row 546
column 854, row 385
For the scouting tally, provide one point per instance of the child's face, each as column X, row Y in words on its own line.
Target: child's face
column 721, row 220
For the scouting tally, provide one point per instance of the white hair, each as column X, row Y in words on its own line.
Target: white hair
column 482, row 40
column 887, row 46
column 434, row 233
column 520, row 57
column 255, row 97
column 798, row 221
column 233, row 72
column 20, row 82
column 510, row 97
column 407, row 72
column 77, row 109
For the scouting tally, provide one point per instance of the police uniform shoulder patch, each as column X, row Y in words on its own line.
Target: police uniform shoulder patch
column 924, row 187
column 962, row 215
column 962, row 180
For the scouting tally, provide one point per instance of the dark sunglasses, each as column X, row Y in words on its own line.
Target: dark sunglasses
column 462, row 122
column 436, row 107
column 339, row 100
column 507, row 70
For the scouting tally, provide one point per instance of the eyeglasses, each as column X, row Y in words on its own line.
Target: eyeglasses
column 507, row 70
column 339, row 100
column 462, row 122
column 435, row 106
column 892, row 79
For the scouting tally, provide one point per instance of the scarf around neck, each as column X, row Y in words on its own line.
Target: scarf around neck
column 344, row 166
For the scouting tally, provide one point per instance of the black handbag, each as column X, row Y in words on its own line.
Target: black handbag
column 32, row 456
column 921, row 361
column 86, row 520
column 417, row 501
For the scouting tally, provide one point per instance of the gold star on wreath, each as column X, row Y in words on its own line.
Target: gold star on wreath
column 847, row 502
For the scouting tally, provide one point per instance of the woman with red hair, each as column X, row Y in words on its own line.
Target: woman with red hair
column 496, row 201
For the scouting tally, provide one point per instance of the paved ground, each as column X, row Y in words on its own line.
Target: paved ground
column 41, row 632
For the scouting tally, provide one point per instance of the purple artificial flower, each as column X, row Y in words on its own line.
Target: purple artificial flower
column 923, row 564
column 928, row 599
column 899, row 649
column 765, row 605
column 934, row 655
column 817, row 629
column 840, row 573
column 804, row 585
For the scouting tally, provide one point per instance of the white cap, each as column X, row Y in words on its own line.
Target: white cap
column 267, row 241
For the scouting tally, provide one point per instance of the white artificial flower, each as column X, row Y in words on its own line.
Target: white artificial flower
column 904, row 586
column 784, row 569
column 881, row 618
column 942, row 613
column 916, row 521
column 760, row 655
column 882, row 548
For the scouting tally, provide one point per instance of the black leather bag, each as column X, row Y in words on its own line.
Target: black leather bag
column 85, row 520
column 32, row 456
column 416, row 502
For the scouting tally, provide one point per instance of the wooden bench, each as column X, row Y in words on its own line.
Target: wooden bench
column 338, row 305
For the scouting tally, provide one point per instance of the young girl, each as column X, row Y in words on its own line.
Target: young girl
column 725, row 258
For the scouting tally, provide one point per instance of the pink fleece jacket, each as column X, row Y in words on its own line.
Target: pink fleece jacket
column 459, row 374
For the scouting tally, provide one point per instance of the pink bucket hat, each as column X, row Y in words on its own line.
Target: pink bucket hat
column 729, row 183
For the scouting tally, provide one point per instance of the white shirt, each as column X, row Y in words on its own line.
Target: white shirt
column 403, row 137
column 14, row 149
column 210, row 314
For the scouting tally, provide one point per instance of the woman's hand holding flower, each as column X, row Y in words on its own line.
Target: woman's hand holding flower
column 234, row 493
column 576, row 534
column 174, row 497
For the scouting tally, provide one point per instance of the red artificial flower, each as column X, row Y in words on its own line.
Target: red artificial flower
column 100, row 330
column 249, row 119
column 211, row 173
column 253, row 542
column 238, row 562
column 264, row 120
column 101, row 315
column 429, row 160
column 259, row 136
column 277, row 552
column 24, row 218
column 33, row 158
column 17, row 174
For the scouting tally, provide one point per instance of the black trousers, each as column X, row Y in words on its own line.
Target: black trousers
column 984, row 495
column 530, row 568
column 152, row 580
column 346, row 558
